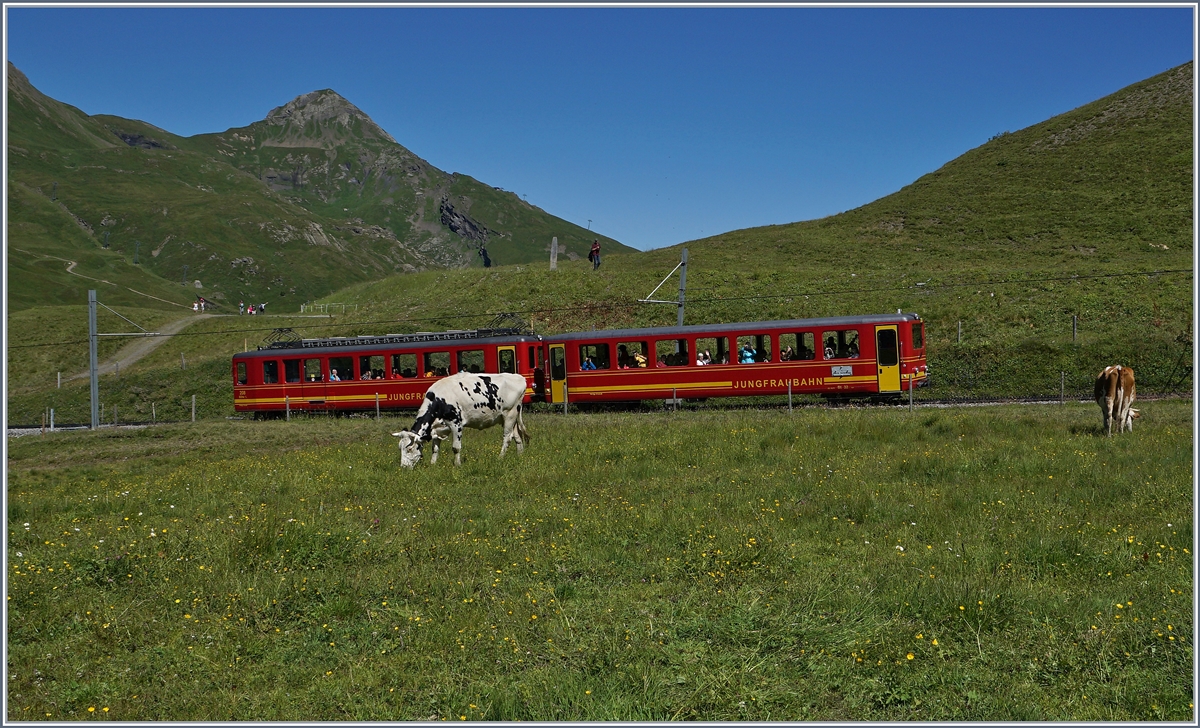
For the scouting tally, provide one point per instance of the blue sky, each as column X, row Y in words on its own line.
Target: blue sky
column 659, row 125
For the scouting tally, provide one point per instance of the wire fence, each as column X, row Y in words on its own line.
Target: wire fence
column 328, row 307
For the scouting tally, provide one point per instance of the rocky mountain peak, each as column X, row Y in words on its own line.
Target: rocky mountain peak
column 326, row 107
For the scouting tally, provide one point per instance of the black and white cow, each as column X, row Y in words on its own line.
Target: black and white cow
column 463, row 400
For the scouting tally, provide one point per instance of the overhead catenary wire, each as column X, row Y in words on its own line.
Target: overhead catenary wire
column 919, row 286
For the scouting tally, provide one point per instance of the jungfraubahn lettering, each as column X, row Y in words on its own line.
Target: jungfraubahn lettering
column 761, row 383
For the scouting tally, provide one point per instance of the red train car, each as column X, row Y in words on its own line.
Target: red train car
column 365, row 372
column 840, row 356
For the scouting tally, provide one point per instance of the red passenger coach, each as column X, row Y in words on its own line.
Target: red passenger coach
column 365, row 372
column 843, row 356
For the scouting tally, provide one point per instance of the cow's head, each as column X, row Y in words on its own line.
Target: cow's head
column 410, row 448
column 1134, row 414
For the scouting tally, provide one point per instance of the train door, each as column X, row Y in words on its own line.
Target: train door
column 506, row 359
column 887, row 357
column 558, row 372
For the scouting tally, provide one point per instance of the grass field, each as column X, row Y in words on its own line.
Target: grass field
column 993, row 563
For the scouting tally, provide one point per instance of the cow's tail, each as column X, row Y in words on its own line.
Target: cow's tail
column 521, row 431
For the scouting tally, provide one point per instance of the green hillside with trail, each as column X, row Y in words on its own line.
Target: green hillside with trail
column 1060, row 248
column 312, row 199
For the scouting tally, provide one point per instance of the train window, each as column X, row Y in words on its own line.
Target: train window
column 840, row 344
column 886, row 349
column 370, row 367
column 404, row 365
column 597, row 353
column 558, row 363
column 437, row 363
column 508, row 361
column 536, row 357
column 918, row 335
column 801, row 345
column 241, row 372
column 713, row 350
column 342, row 366
column 291, row 370
column 753, row 349
column 631, row 354
column 471, row 361
column 671, row 352
column 270, row 372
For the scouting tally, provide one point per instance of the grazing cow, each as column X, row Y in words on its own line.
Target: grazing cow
column 1115, row 391
column 470, row 400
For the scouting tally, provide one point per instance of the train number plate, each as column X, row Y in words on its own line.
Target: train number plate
column 842, row 371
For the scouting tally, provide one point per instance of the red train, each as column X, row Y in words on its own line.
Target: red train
column 840, row 356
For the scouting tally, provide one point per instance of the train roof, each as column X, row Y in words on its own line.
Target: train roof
column 692, row 329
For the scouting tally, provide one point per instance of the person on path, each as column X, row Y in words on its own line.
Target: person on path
column 595, row 254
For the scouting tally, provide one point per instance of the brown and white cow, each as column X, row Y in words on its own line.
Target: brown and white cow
column 463, row 400
column 1115, row 391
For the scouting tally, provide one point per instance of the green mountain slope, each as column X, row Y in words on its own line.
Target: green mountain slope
column 1017, row 239
column 220, row 216
column 322, row 153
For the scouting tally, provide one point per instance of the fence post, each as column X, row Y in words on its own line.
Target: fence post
column 910, row 394
column 153, row 413
column 114, row 415
column 960, row 332
column 789, row 396
column 1074, row 327
column 118, row 375
column 60, row 380
column 287, row 406
column 52, row 419
column 564, row 398
column 43, row 423
column 193, row 408
column 182, row 361
column 377, row 406
column 1062, row 387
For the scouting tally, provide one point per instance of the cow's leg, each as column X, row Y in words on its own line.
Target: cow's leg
column 457, row 431
column 433, row 443
column 1108, row 414
column 508, row 431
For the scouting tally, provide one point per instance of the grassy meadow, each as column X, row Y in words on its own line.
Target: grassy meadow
column 990, row 563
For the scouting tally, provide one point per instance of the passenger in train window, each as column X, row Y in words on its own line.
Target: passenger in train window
column 853, row 349
column 747, row 355
column 587, row 365
column 805, row 346
column 333, row 376
column 787, row 354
